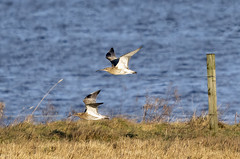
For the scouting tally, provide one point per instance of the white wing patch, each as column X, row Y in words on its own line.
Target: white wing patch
column 92, row 111
column 123, row 60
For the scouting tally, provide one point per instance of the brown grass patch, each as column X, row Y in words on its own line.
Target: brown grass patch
column 119, row 138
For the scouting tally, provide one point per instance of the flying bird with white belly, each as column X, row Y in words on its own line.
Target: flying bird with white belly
column 119, row 65
column 91, row 111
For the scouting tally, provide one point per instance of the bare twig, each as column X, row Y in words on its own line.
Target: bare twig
column 46, row 95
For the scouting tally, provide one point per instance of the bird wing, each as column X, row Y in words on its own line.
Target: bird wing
column 91, row 98
column 90, row 103
column 92, row 109
column 111, row 55
column 124, row 59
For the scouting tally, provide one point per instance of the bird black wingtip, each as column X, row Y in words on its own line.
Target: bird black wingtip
column 111, row 50
column 96, row 92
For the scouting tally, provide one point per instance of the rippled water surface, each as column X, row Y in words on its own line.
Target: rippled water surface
column 45, row 41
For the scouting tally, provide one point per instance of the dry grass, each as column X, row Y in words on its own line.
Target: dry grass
column 124, row 148
column 119, row 138
column 159, row 109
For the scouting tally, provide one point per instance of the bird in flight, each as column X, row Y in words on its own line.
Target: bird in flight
column 91, row 111
column 119, row 65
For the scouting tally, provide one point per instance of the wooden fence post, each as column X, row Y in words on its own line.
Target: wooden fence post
column 212, row 95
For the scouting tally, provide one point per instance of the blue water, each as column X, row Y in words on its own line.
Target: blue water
column 45, row 41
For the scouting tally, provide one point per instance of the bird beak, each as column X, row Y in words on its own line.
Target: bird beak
column 100, row 70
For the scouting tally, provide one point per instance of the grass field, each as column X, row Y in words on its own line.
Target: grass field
column 119, row 138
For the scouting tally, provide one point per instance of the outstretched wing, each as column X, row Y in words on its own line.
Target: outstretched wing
column 92, row 109
column 124, row 59
column 111, row 55
column 91, row 98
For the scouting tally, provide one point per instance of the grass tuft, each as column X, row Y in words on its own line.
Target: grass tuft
column 159, row 109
